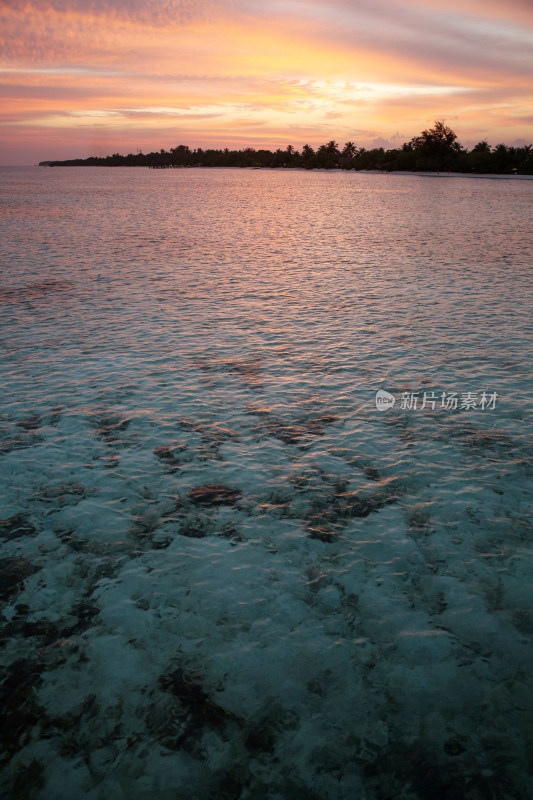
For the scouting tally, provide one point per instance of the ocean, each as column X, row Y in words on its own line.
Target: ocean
column 266, row 485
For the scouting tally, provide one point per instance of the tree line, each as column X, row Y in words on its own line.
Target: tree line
column 434, row 150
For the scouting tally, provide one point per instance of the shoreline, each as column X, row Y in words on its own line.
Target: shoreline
column 417, row 173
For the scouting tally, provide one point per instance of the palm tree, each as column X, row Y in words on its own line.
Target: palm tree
column 350, row 150
column 482, row 147
column 440, row 140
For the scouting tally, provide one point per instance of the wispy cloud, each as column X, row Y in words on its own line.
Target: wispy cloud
column 142, row 69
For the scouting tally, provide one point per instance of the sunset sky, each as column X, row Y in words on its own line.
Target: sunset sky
column 93, row 77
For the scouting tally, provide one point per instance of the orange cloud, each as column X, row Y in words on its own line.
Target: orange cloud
column 76, row 71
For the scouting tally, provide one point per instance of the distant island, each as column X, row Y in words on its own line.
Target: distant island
column 434, row 150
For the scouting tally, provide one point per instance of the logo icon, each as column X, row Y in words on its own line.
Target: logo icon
column 384, row 400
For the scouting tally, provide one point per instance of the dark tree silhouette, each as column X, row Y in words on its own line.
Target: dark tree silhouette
column 440, row 140
column 434, row 149
column 349, row 150
column 332, row 147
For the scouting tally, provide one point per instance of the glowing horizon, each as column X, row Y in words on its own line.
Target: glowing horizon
column 101, row 76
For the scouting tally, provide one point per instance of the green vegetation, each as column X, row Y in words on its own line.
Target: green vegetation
column 434, row 150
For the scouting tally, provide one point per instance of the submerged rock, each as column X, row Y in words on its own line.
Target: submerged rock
column 199, row 708
column 20, row 711
column 64, row 494
column 30, row 423
column 12, row 574
column 215, row 494
column 453, row 747
column 109, row 425
column 322, row 532
column 16, row 527
column 371, row 473
column 171, row 454
column 294, row 432
column 29, row 780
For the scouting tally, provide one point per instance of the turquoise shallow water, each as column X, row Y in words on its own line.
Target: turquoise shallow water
column 226, row 573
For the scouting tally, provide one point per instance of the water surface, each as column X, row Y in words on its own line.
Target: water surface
column 226, row 574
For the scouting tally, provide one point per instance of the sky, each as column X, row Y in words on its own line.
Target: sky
column 94, row 77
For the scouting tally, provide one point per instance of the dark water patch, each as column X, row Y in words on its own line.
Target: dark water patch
column 214, row 494
column 87, row 734
column 357, row 504
column 13, row 440
column 360, row 462
column 454, row 747
column 216, row 433
column 67, row 537
column 145, row 523
column 64, row 494
column 268, row 729
column 72, row 721
column 16, row 527
column 301, row 429
column 48, row 633
column 20, row 710
column 317, row 481
column 30, row 423
column 257, row 410
column 403, row 425
column 198, row 519
column 416, row 772
column 110, row 461
column 230, row 784
column 109, row 426
column 331, row 513
column 199, row 709
column 147, row 532
column 285, row 432
column 321, row 527
column 251, row 367
column 329, row 506
column 290, row 431
column 186, row 424
column 194, row 526
column 160, row 542
column 38, row 290
column 250, row 370
column 229, row 531
column 13, row 572
column 172, row 455
column 420, row 525
column 494, row 596
column 102, row 569
column 482, row 441
column 28, row 780
column 523, row 621
column 85, row 614
column 212, row 436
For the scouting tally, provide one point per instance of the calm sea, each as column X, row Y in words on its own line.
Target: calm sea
column 227, row 574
